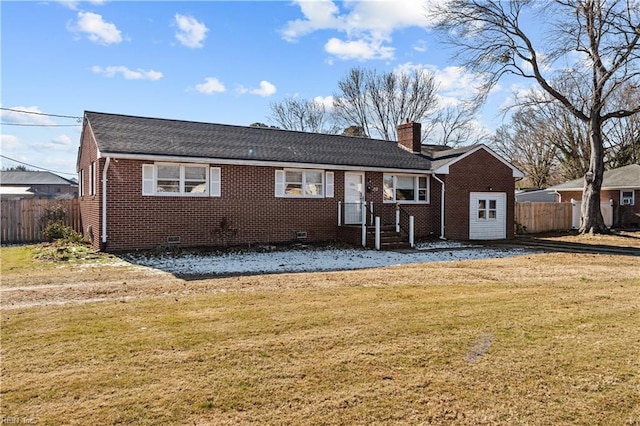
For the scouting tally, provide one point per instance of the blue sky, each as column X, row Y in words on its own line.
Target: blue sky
column 213, row 61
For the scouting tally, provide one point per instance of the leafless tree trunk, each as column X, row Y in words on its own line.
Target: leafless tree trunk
column 603, row 35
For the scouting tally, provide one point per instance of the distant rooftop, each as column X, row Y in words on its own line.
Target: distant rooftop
column 16, row 177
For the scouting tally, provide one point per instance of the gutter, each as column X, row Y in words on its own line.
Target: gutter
column 104, row 204
column 442, row 237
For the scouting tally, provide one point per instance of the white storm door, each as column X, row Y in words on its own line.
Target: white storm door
column 488, row 216
column 353, row 197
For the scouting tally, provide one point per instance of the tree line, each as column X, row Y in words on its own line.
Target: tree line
column 582, row 55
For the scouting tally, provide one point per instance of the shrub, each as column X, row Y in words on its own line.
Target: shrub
column 56, row 230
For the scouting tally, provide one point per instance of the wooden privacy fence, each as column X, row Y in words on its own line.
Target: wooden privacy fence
column 543, row 217
column 22, row 219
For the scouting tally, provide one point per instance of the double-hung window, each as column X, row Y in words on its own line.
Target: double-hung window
column 186, row 180
column 406, row 188
column 627, row 198
column 300, row 183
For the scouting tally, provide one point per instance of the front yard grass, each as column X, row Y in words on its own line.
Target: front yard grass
column 537, row 339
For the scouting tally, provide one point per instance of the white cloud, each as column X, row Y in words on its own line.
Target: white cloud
column 9, row 142
column 326, row 101
column 420, row 46
column 59, row 143
column 96, row 29
column 31, row 115
column 266, row 89
column 358, row 49
column 368, row 25
column 191, row 33
column 128, row 74
column 211, row 85
column 73, row 5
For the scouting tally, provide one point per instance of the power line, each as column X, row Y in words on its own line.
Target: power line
column 40, row 125
column 41, row 113
column 37, row 167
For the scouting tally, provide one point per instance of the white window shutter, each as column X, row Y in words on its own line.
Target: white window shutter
column 147, row 179
column 279, row 183
column 214, row 182
column 328, row 190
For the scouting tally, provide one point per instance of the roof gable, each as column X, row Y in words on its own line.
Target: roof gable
column 129, row 135
column 444, row 159
column 622, row 177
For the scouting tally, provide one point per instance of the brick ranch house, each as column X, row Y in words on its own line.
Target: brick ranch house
column 149, row 182
column 620, row 189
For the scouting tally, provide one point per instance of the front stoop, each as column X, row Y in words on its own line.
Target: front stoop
column 389, row 238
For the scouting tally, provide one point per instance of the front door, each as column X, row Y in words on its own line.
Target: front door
column 353, row 197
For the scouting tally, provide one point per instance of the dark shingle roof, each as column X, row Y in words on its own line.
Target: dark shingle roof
column 15, row 177
column 622, row 177
column 121, row 134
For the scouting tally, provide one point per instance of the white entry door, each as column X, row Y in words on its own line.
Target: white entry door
column 488, row 216
column 353, row 197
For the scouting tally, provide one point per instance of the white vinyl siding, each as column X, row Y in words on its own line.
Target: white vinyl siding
column 183, row 180
column 402, row 188
column 487, row 216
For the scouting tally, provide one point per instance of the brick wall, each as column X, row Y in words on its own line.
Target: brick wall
column 427, row 216
column 90, row 205
column 478, row 172
column 622, row 215
column 246, row 213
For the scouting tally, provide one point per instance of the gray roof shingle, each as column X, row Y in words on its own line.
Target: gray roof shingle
column 622, row 177
column 122, row 134
column 29, row 177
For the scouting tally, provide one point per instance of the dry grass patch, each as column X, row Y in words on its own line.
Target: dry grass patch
column 541, row 339
column 620, row 239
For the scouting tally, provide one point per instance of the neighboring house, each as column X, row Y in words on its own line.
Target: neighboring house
column 620, row 186
column 16, row 184
column 537, row 196
column 148, row 182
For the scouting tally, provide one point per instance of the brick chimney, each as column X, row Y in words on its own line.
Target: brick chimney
column 410, row 136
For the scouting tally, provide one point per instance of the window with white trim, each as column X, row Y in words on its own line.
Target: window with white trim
column 487, row 209
column 401, row 188
column 81, row 182
column 627, row 198
column 184, row 180
column 301, row 183
column 92, row 179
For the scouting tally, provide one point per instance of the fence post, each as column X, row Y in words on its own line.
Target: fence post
column 398, row 218
column 377, row 221
column 364, row 224
column 339, row 213
column 411, row 231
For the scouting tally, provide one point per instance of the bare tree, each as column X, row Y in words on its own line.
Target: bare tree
column 455, row 125
column 604, row 35
column 379, row 102
column 302, row 115
column 525, row 142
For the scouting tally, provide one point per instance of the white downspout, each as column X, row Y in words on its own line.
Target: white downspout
column 104, row 202
column 441, row 208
